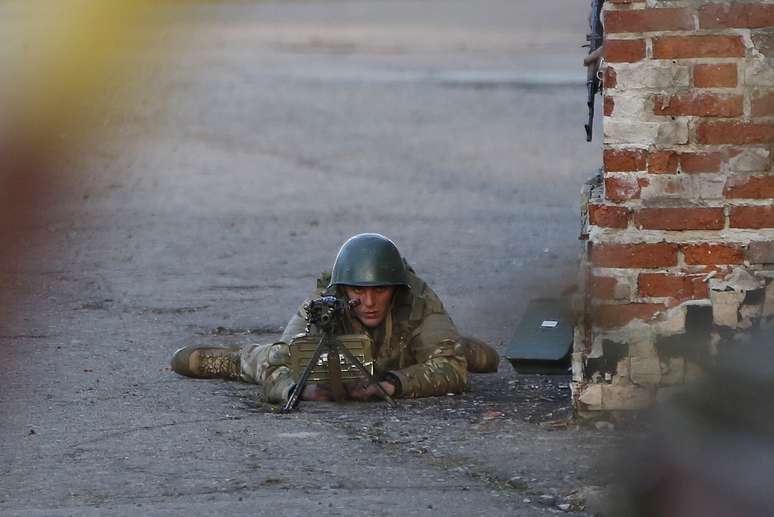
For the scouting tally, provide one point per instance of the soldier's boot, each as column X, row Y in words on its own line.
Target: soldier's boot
column 481, row 357
column 208, row 362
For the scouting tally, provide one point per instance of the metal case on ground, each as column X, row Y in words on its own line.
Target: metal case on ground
column 543, row 340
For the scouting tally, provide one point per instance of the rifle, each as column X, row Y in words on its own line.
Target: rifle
column 326, row 313
column 593, row 81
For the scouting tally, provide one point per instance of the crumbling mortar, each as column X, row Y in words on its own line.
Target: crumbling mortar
column 633, row 147
column 749, row 45
column 653, row 34
column 664, row 3
column 753, row 67
column 726, row 218
column 634, row 6
column 640, row 336
column 692, row 137
column 602, row 303
column 630, row 275
column 747, row 104
column 654, row 299
column 711, row 61
column 721, row 90
column 748, row 202
column 641, row 74
column 723, row 31
column 624, row 36
column 600, row 235
column 656, row 195
column 668, row 300
column 695, row 187
column 754, row 52
column 638, row 235
column 736, row 166
column 632, row 327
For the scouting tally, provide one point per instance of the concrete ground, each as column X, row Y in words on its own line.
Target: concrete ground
column 259, row 137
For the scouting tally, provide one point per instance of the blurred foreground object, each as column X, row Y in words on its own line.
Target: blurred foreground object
column 59, row 64
column 711, row 452
column 61, row 59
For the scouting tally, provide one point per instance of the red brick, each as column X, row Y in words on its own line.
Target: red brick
column 681, row 47
column 647, row 20
column 715, row 76
column 749, row 16
column 609, row 106
column 622, row 188
column 610, row 79
column 610, row 316
column 763, row 105
column 624, row 50
column 699, row 105
column 609, row 216
column 734, row 133
column 681, row 287
column 752, row 216
column 663, row 162
column 707, row 254
column 624, row 160
column 660, row 254
column 749, row 187
column 700, row 162
column 602, row 287
column 679, row 218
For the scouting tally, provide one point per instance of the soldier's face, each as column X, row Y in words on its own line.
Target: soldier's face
column 374, row 303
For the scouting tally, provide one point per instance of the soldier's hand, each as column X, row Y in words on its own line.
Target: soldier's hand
column 372, row 391
column 316, row 392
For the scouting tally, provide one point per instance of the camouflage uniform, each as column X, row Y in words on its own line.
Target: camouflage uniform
column 417, row 345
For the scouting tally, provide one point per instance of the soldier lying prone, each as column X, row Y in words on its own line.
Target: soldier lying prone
column 373, row 300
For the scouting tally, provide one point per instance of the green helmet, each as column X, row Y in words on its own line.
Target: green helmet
column 368, row 260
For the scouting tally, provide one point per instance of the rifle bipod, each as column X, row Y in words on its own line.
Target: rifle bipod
column 330, row 344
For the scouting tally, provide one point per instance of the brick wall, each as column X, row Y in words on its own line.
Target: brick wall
column 679, row 228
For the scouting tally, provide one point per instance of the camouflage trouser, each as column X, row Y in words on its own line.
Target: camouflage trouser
column 480, row 356
column 267, row 366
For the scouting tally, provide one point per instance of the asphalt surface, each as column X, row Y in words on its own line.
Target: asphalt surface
column 256, row 139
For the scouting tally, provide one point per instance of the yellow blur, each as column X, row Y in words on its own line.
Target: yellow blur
column 65, row 54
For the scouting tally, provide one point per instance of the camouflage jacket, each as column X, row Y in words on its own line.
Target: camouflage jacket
column 418, row 344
